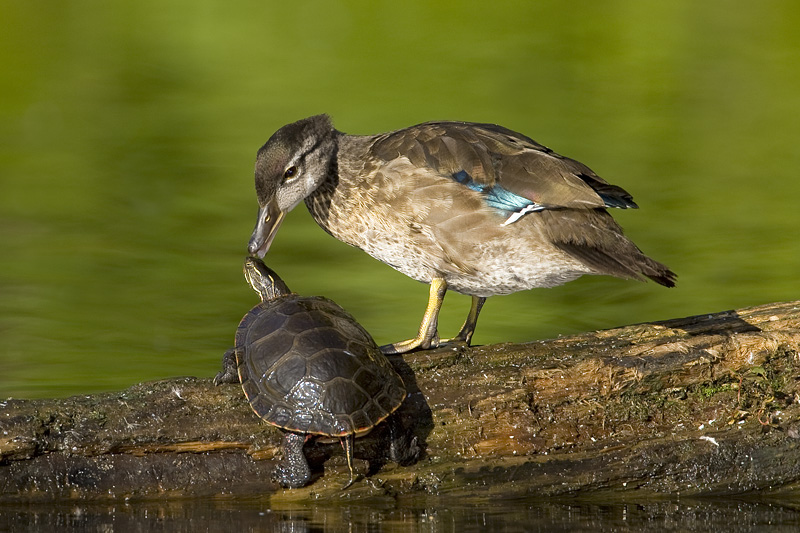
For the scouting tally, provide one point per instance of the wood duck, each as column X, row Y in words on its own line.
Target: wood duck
column 475, row 208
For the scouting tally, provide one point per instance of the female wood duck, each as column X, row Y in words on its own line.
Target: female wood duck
column 475, row 208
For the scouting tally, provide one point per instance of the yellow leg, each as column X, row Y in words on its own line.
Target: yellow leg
column 427, row 336
column 465, row 334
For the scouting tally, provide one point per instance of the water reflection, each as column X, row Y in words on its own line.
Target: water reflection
column 435, row 516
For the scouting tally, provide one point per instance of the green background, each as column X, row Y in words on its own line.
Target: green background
column 128, row 133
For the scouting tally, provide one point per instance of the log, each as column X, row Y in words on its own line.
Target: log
column 705, row 405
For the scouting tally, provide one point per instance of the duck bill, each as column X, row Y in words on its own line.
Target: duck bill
column 269, row 220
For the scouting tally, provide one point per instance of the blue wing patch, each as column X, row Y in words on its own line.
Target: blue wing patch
column 514, row 205
column 465, row 179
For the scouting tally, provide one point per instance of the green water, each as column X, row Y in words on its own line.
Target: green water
column 128, row 134
column 689, row 516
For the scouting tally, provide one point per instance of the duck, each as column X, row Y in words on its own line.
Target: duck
column 474, row 208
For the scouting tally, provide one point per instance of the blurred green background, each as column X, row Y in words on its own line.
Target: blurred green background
column 128, row 133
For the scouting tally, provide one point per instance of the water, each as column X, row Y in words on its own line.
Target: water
column 523, row 517
column 128, row 133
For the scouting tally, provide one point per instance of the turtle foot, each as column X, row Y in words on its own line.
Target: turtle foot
column 290, row 477
column 405, row 451
column 293, row 471
column 229, row 372
column 404, row 447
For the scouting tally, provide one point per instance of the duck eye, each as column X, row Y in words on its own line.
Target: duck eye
column 290, row 173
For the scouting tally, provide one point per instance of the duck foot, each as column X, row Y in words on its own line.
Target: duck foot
column 410, row 345
column 428, row 337
column 464, row 335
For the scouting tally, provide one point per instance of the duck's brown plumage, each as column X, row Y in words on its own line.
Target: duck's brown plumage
column 476, row 208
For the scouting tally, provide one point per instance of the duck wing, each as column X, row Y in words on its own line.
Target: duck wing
column 517, row 175
column 514, row 171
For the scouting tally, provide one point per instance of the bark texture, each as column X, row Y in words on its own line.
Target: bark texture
column 705, row 405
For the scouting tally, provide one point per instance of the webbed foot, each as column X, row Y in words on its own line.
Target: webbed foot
column 464, row 336
column 420, row 342
column 428, row 337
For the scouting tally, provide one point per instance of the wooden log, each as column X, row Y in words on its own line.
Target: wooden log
column 705, row 405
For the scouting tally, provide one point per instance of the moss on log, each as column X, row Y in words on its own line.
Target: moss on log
column 705, row 405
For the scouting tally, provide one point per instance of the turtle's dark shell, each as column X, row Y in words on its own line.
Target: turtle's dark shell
column 307, row 366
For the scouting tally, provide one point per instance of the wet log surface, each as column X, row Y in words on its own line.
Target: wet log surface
column 706, row 405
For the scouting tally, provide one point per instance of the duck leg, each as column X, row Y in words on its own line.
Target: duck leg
column 428, row 336
column 465, row 334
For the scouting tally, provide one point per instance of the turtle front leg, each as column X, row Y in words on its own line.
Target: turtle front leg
column 293, row 471
column 428, row 336
column 229, row 372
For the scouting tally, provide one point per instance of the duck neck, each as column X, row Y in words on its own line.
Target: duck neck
column 335, row 194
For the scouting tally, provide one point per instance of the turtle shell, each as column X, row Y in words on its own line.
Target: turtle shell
column 307, row 366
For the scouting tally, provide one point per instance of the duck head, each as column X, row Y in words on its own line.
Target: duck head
column 289, row 167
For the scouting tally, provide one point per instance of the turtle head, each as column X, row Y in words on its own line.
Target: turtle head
column 289, row 167
column 264, row 280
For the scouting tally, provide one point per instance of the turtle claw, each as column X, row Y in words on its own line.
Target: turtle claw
column 404, row 447
column 404, row 451
column 288, row 478
column 229, row 372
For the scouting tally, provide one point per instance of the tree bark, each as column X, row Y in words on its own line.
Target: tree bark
column 705, row 405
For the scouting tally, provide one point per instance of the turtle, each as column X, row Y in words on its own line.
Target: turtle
column 307, row 367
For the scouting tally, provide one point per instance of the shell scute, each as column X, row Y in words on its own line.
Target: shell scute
column 342, row 397
column 306, row 365
column 327, row 365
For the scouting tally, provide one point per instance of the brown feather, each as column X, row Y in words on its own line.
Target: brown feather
column 494, row 155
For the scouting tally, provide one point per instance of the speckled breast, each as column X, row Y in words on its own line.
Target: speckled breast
column 306, row 365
